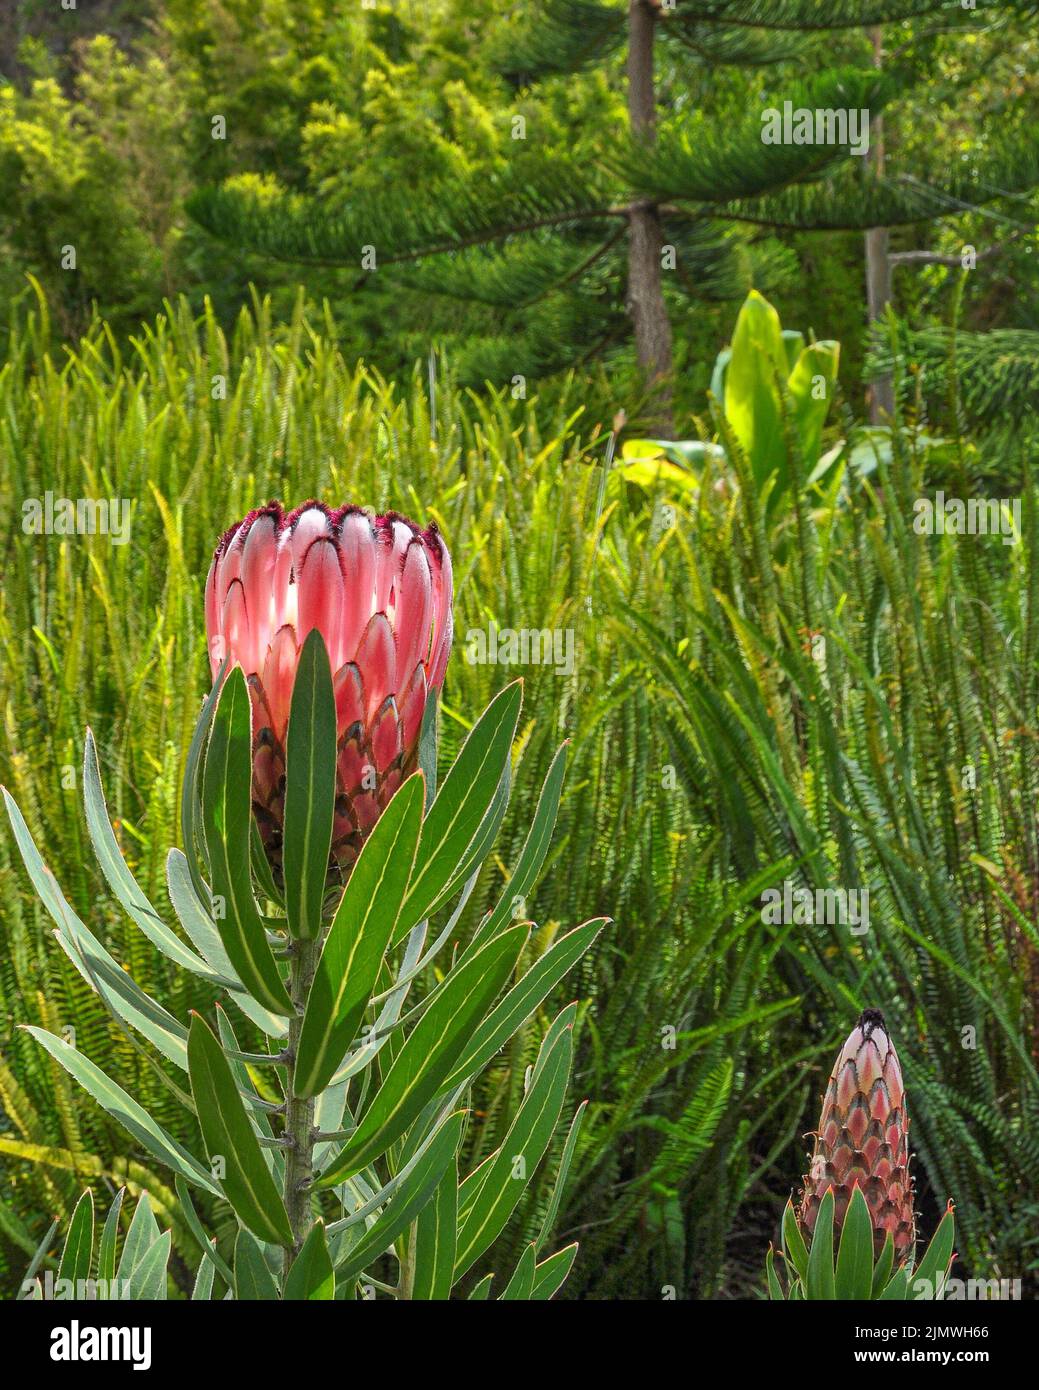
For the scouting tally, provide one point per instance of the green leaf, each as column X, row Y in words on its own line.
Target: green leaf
column 427, row 743
column 311, row 1276
column 352, row 955
column 227, row 816
column 79, row 1243
column 898, row 1288
column 563, row 1171
column 775, row 1288
column 529, row 1135
column 121, row 881
column 125, row 1109
column 521, row 1001
column 435, row 1233
column 142, row 1235
column 854, row 1277
column 120, row 993
column 934, row 1266
column 253, row 1281
column 109, row 1236
column 535, row 847
column 751, row 399
column 148, row 1280
column 210, row 1252
column 521, row 1285
column 190, row 828
column 482, row 1290
column 551, row 1274
column 815, row 363
column 203, row 1287
column 429, row 1052
column 310, row 788
column 455, row 819
column 247, row 1183
column 793, row 1242
column 882, row 1271
column 820, row 1283
column 408, row 1202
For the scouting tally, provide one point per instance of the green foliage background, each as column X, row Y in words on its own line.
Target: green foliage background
column 711, row 756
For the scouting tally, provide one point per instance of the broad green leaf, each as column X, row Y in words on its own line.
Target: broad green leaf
column 203, row 1287
column 427, row 743
column 142, row 1235
column 253, row 1281
column 310, row 788
column 191, row 831
column 751, row 398
column 524, row 1145
column 228, row 1134
column 521, row 1285
column 429, row 1052
column 109, row 1236
column 458, row 814
column 409, row 1201
column 898, row 1288
column 148, row 1280
column 125, row 1109
column 521, row 1001
column 793, row 1242
column 551, row 1274
column 352, row 955
column 201, row 929
column 311, row 1276
column 934, row 1266
column 811, row 391
column 227, row 817
column 119, row 992
column 562, row 1173
column 775, row 1288
column 435, row 1232
column 882, row 1271
column 79, row 1243
column 535, row 847
column 854, row 1276
column 819, row 1284
column 210, row 1252
column 121, row 881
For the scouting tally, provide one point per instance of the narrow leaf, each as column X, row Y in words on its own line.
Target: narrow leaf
column 310, row 788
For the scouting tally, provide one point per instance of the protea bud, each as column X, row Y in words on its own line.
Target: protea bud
column 378, row 589
column 863, row 1140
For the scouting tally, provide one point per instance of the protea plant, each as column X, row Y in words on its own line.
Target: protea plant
column 334, row 1129
column 858, row 1189
column 378, row 589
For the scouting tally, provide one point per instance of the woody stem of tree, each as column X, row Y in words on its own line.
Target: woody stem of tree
column 878, row 256
column 645, row 235
column 299, row 1113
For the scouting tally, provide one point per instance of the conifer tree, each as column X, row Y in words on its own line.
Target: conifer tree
column 676, row 205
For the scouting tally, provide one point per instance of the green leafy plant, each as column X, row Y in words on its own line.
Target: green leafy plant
column 338, row 1140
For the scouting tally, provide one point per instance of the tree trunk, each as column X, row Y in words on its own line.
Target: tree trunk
column 878, row 264
column 645, row 236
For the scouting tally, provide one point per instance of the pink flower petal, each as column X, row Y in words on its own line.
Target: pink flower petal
column 377, row 662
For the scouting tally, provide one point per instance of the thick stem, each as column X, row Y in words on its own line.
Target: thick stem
column 878, row 259
column 645, row 235
column 299, row 1114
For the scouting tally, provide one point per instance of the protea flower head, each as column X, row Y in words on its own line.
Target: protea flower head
column 379, row 591
column 863, row 1140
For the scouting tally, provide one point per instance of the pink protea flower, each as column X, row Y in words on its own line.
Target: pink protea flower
column 863, row 1139
column 378, row 589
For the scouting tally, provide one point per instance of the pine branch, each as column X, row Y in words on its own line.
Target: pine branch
column 695, row 161
column 560, row 36
column 526, row 196
column 856, row 199
column 997, row 372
